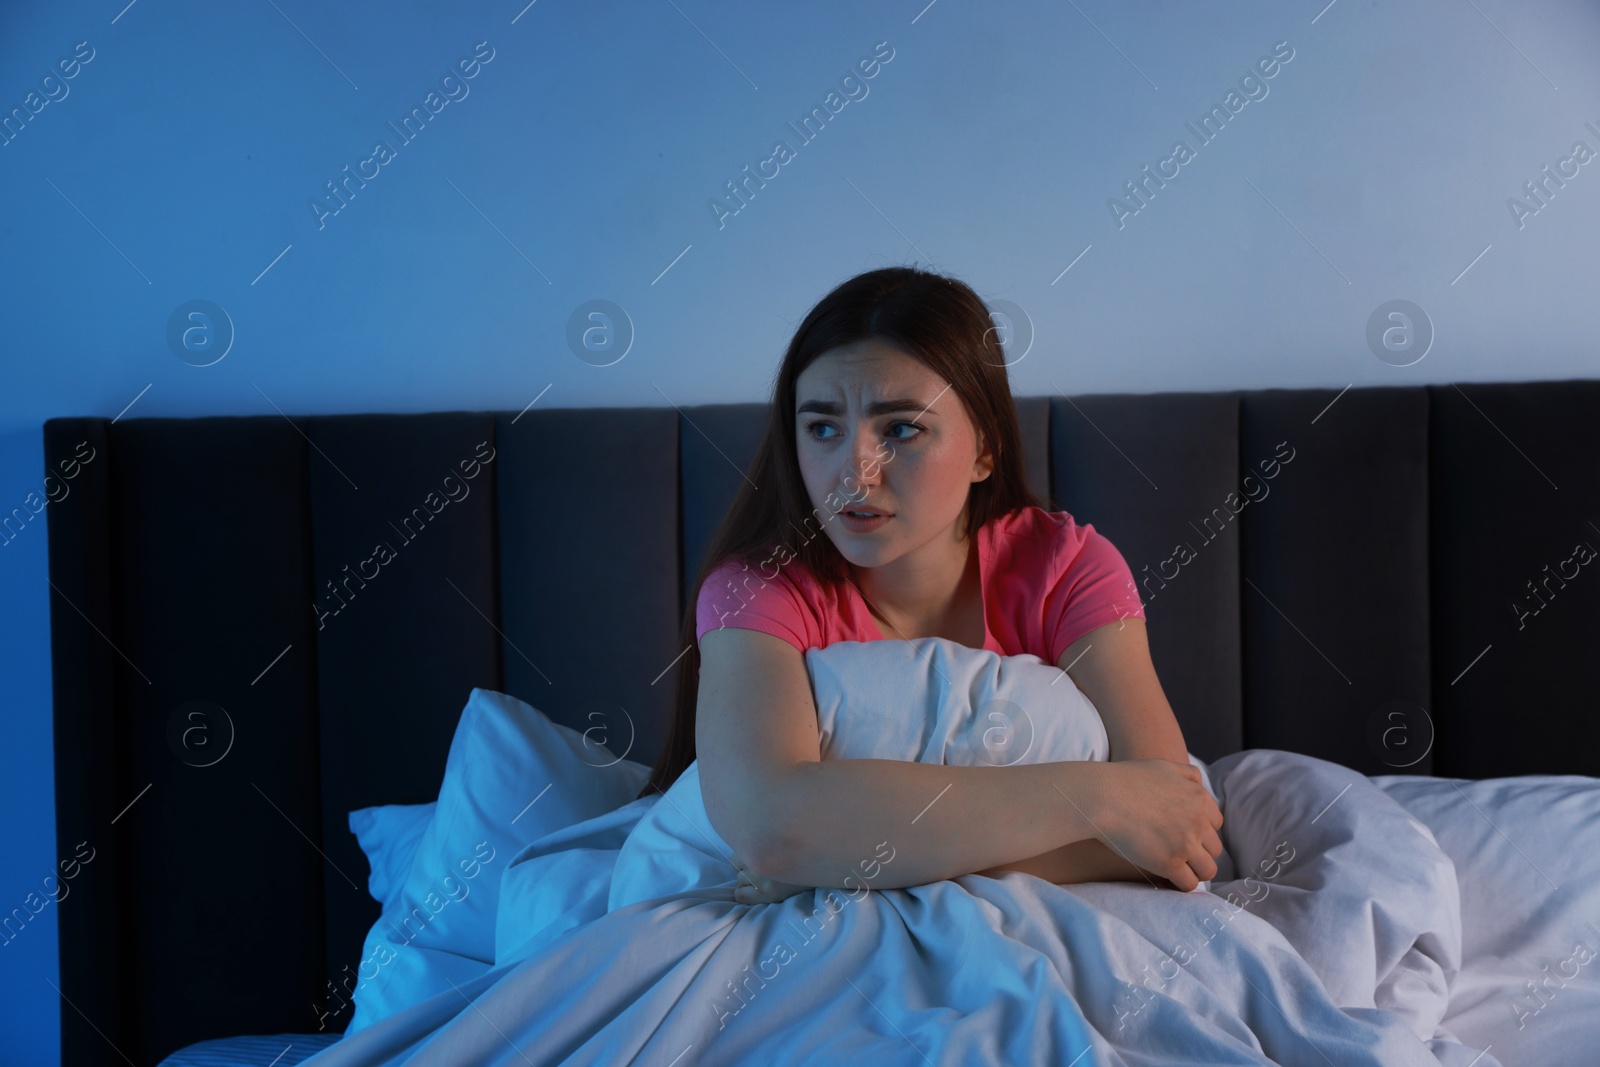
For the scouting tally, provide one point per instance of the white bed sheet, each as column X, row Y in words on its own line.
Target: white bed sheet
column 1401, row 920
column 1527, row 857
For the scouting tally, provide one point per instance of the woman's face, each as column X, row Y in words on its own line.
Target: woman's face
column 878, row 430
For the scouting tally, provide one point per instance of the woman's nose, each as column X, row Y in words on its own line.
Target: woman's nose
column 863, row 457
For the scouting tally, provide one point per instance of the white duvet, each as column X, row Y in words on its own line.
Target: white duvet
column 1334, row 934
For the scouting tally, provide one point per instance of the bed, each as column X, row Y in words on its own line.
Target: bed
column 237, row 669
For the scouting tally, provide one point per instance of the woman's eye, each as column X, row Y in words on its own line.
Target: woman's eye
column 813, row 427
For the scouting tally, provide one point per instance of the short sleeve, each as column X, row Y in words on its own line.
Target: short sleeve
column 735, row 594
column 1094, row 587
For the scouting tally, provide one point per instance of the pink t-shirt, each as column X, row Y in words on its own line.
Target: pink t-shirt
column 1046, row 582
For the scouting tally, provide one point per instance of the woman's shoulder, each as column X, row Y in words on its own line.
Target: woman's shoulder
column 1052, row 545
column 1057, row 532
column 790, row 575
column 1076, row 579
column 785, row 600
column 737, row 586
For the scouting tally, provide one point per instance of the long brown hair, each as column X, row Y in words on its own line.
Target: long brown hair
column 934, row 318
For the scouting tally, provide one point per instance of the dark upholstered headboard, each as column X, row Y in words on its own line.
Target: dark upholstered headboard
column 1369, row 576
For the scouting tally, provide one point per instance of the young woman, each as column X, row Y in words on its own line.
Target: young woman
column 887, row 500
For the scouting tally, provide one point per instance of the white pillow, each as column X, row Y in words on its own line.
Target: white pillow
column 389, row 834
column 512, row 777
column 933, row 700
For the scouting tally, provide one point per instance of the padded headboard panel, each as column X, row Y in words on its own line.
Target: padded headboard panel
column 1347, row 574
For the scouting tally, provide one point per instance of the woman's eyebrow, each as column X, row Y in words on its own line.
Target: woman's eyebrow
column 877, row 407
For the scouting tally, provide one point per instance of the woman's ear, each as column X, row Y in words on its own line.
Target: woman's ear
column 983, row 466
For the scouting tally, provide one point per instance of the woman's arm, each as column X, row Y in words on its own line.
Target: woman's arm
column 806, row 821
column 941, row 821
column 1111, row 666
column 797, row 818
column 1081, row 861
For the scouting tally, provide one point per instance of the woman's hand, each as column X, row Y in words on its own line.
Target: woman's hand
column 1157, row 815
column 754, row 889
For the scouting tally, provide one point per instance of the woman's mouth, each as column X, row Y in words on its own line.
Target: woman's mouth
column 858, row 520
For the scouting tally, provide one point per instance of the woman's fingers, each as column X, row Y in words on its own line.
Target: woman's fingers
column 1183, row 879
